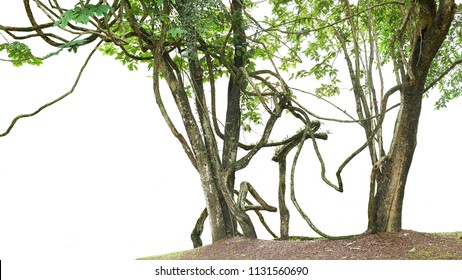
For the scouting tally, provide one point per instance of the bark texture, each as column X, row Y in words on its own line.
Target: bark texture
column 433, row 25
column 233, row 129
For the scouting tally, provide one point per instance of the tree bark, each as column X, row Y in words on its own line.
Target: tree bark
column 284, row 214
column 198, row 229
column 207, row 174
column 430, row 34
column 233, row 128
column 392, row 180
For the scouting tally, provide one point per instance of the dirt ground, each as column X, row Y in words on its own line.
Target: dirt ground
column 398, row 246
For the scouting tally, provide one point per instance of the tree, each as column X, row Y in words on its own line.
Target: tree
column 407, row 38
column 190, row 45
column 193, row 46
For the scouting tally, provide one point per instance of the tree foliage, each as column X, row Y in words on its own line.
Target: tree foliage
column 19, row 54
column 82, row 13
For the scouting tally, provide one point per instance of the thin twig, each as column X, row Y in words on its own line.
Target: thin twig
column 444, row 73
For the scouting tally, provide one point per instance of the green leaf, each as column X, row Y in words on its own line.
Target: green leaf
column 73, row 45
column 20, row 54
column 327, row 90
column 70, row 46
column 82, row 14
column 176, row 32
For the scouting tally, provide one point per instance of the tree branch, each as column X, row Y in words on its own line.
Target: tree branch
column 443, row 74
column 57, row 99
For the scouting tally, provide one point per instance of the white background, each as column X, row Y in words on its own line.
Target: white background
column 98, row 180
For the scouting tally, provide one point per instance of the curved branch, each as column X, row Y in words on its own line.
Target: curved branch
column 273, row 89
column 27, row 29
column 309, row 131
column 373, row 133
column 260, row 216
column 244, row 161
column 198, row 229
column 36, row 26
column 57, row 99
column 157, row 53
column 263, row 102
column 241, row 199
column 38, row 29
column 51, row 35
column 168, row 120
column 294, row 198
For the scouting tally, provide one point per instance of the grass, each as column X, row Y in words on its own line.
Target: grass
column 456, row 234
column 416, row 254
column 427, row 255
column 169, row 256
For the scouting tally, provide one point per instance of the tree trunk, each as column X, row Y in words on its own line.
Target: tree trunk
column 214, row 208
column 231, row 213
column 205, row 167
column 395, row 169
column 433, row 25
